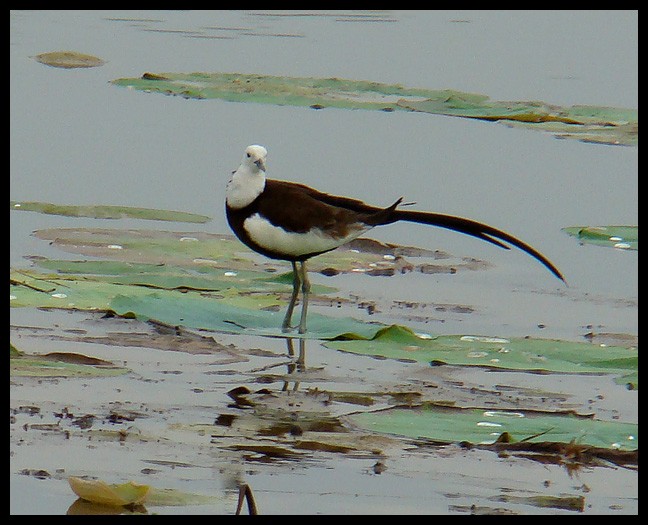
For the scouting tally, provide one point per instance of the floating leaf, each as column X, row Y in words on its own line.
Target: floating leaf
column 457, row 104
column 605, row 125
column 68, row 59
column 631, row 380
column 616, row 135
column 13, row 351
column 143, row 274
column 97, row 491
column 204, row 281
column 294, row 91
column 108, row 212
column 61, row 364
column 194, row 249
column 573, row 503
column 616, row 126
column 200, row 252
column 230, row 310
column 398, row 342
column 479, row 426
column 621, row 237
column 219, row 288
column 194, row 311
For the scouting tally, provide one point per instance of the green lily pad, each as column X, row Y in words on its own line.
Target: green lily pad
column 616, row 126
column 191, row 294
column 195, row 249
column 621, row 237
column 88, row 292
column 605, row 125
column 230, row 310
column 199, row 312
column 398, row 342
column 201, row 282
column 617, row 135
column 457, row 104
column 292, row 91
column 109, row 212
column 204, row 281
column 201, row 251
column 479, row 426
column 158, row 275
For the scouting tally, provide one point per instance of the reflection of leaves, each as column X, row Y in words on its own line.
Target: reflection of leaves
column 606, row 125
column 622, row 237
column 172, row 497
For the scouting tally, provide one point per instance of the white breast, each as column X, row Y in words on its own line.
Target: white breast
column 277, row 239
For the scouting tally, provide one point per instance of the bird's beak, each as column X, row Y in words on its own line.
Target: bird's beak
column 260, row 164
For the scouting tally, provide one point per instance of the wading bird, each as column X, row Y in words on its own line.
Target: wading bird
column 292, row 222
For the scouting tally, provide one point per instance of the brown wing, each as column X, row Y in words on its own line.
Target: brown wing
column 308, row 208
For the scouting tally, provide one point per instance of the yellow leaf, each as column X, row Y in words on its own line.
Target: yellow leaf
column 97, row 491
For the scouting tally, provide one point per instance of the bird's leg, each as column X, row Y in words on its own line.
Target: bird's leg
column 305, row 286
column 285, row 326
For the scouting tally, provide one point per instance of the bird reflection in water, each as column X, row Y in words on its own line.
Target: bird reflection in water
column 295, row 365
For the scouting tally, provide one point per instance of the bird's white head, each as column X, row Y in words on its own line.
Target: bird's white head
column 255, row 157
column 248, row 181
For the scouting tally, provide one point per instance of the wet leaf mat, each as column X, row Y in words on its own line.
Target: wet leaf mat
column 605, row 125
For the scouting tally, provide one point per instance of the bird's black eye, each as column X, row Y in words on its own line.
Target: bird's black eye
column 248, row 155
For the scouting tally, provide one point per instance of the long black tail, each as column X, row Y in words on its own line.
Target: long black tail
column 474, row 228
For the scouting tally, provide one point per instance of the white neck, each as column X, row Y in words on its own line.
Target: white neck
column 246, row 184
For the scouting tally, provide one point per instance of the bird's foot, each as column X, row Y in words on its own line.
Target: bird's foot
column 287, row 329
